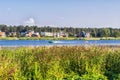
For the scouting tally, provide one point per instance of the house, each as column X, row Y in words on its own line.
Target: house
column 12, row 34
column 83, row 34
column 23, row 33
column 30, row 34
column 88, row 35
column 49, row 34
column 54, row 34
column 2, row 34
column 60, row 34
column 36, row 35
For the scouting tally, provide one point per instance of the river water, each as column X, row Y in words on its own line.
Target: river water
column 19, row 43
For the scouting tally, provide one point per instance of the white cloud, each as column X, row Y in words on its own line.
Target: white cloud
column 30, row 22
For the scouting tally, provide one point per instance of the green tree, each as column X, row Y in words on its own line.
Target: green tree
column 116, row 33
column 106, row 32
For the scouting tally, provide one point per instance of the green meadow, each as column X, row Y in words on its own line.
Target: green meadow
column 66, row 38
column 60, row 63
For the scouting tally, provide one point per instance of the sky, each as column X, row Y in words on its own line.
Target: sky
column 61, row 13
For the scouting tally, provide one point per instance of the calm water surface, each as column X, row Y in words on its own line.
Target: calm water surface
column 18, row 43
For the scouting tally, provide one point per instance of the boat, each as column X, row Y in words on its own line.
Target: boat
column 54, row 41
column 50, row 41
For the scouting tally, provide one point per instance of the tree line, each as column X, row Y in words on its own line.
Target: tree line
column 94, row 32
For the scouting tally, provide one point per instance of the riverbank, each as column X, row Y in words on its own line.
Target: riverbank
column 60, row 63
column 51, row 38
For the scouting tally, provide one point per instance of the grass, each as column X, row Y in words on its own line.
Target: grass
column 60, row 63
column 51, row 38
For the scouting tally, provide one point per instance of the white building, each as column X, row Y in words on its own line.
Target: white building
column 49, row 34
column 56, row 34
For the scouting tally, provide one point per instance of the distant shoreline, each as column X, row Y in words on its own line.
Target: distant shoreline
column 51, row 38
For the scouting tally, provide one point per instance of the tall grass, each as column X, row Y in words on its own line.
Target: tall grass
column 60, row 63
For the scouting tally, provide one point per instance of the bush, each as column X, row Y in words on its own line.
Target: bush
column 60, row 63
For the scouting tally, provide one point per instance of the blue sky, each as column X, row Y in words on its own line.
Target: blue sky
column 74, row 13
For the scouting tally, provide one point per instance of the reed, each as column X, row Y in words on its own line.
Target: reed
column 60, row 63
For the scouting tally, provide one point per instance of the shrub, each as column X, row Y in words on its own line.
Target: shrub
column 60, row 63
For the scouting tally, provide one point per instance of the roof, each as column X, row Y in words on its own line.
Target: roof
column 1, row 33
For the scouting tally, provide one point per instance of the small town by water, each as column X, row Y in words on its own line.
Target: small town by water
column 18, row 36
column 59, row 39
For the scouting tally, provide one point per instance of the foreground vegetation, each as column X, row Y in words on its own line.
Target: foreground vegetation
column 60, row 63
